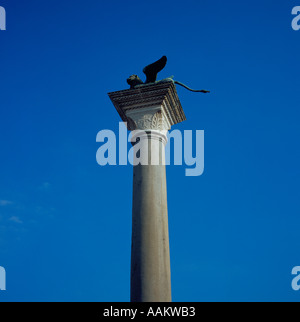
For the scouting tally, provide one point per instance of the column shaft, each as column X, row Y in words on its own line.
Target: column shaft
column 150, row 256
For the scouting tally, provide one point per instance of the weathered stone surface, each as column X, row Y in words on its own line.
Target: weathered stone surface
column 150, row 255
column 161, row 98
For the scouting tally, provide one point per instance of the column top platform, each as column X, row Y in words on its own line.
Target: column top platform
column 160, row 95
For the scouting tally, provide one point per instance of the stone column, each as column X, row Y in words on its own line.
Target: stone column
column 149, row 112
column 150, row 255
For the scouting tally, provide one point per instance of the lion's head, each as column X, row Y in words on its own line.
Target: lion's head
column 134, row 80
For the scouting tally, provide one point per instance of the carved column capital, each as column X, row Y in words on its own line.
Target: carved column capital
column 147, row 119
column 154, row 107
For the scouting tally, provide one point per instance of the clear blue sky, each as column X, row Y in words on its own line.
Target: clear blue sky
column 65, row 222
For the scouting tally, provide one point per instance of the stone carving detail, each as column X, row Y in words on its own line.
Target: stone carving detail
column 145, row 122
column 150, row 99
column 149, row 121
column 157, row 121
